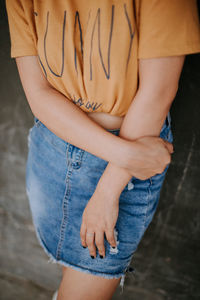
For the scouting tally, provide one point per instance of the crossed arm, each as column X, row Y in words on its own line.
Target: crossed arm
column 159, row 79
column 158, row 84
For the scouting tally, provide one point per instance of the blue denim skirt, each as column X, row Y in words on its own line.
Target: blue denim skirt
column 60, row 180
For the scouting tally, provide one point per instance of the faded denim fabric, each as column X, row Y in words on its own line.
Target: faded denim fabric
column 60, row 180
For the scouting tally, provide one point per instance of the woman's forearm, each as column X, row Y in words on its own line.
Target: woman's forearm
column 158, row 85
column 145, row 117
column 71, row 124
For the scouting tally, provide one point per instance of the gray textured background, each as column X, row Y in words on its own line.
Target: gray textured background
column 167, row 260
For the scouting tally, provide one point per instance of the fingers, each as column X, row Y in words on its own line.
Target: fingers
column 90, row 237
column 111, row 237
column 169, row 146
column 99, row 240
column 95, row 240
column 83, row 235
column 88, row 240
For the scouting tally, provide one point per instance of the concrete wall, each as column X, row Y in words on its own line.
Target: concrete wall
column 167, row 260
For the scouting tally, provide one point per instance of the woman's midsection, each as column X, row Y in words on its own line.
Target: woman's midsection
column 106, row 120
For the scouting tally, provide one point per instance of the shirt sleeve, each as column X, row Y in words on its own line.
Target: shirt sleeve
column 168, row 27
column 21, row 27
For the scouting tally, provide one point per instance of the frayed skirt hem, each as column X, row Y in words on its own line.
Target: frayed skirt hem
column 52, row 259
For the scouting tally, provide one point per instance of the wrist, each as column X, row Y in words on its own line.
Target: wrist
column 106, row 193
column 128, row 154
column 124, row 153
column 113, row 181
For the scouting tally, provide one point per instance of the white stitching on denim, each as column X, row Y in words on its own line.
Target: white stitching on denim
column 65, row 214
column 78, row 158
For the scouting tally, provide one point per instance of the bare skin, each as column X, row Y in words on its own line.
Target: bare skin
column 77, row 285
column 146, row 155
column 102, row 288
column 73, row 125
column 158, row 86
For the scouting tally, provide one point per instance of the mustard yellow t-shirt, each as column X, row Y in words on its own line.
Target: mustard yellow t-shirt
column 89, row 49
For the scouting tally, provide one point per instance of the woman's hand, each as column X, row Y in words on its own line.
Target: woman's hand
column 99, row 217
column 148, row 156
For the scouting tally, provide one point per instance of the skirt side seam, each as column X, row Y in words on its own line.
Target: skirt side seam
column 65, row 213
